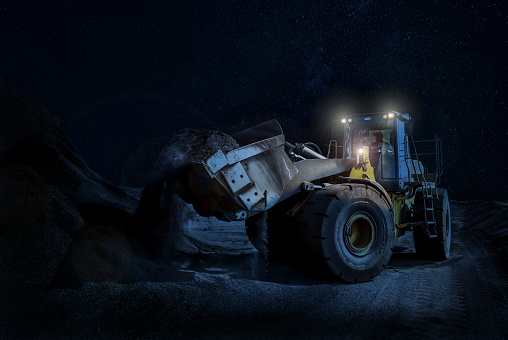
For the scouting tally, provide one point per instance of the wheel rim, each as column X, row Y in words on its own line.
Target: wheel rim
column 360, row 234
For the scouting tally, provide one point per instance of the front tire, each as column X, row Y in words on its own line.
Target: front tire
column 349, row 228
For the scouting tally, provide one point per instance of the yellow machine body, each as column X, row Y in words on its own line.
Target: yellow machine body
column 363, row 168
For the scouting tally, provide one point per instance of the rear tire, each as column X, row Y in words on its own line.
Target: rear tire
column 257, row 232
column 349, row 228
column 274, row 233
column 437, row 248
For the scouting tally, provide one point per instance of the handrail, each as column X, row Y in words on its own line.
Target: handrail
column 407, row 156
column 333, row 141
column 412, row 155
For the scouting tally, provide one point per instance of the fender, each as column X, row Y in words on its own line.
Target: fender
column 375, row 185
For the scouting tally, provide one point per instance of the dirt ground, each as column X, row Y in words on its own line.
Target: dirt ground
column 232, row 293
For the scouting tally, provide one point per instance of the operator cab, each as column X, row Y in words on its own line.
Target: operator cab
column 384, row 135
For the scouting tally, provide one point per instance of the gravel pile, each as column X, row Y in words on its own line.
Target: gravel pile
column 193, row 145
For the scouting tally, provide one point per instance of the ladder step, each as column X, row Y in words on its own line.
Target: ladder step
column 432, row 229
column 429, row 234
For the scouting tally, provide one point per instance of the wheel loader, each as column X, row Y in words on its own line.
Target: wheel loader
column 340, row 212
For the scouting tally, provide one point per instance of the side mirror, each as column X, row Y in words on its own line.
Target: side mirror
column 408, row 128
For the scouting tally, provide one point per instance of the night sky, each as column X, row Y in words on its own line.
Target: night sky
column 119, row 74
